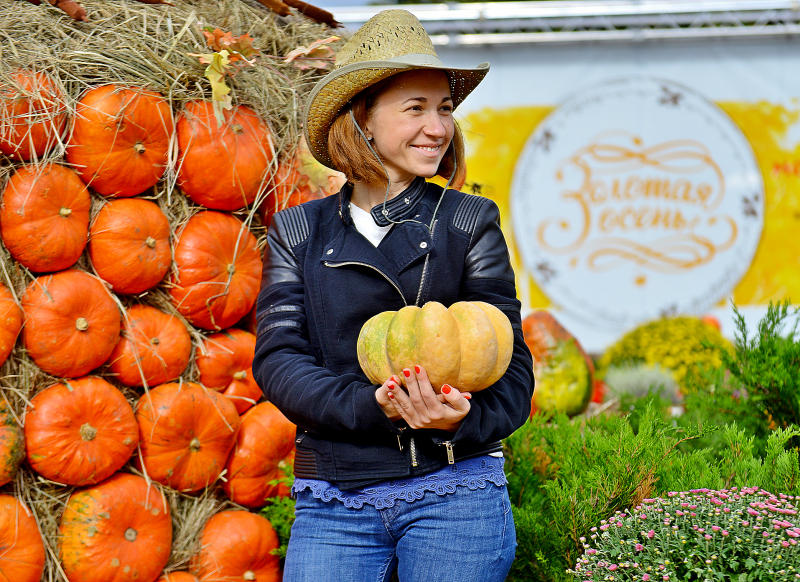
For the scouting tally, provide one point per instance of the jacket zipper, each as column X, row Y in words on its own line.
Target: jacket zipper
column 412, row 447
column 384, row 275
column 448, row 446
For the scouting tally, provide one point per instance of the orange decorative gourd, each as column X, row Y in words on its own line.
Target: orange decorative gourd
column 218, row 270
column 22, row 555
column 265, row 442
column 32, row 115
column 155, row 347
column 10, row 322
column 80, row 432
column 178, row 577
column 564, row 371
column 120, row 139
column 225, row 365
column 467, row 345
column 222, row 167
column 71, row 323
column 12, row 445
column 237, row 545
column 129, row 245
column 44, row 217
column 289, row 187
column 117, row 531
column 186, row 433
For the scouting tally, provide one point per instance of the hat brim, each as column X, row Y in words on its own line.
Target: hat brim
column 338, row 87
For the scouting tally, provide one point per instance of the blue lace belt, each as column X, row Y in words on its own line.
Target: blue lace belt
column 474, row 473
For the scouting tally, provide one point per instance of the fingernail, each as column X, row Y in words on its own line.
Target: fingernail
column 407, row 373
column 395, row 379
column 391, row 395
column 390, row 386
column 467, row 395
column 417, row 369
column 446, row 389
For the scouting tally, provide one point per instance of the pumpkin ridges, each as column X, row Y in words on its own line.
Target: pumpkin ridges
column 155, row 347
column 371, row 348
column 44, row 217
column 234, row 542
column 120, row 139
column 40, row 100
column 54, row 305
column 504, row 336
column 178, row 577
column 171, row 418
column 22, row 557
column 437, row 335
column 10, row 322
column 129, row 244
column 474, row 326
column 79, row 432
column 210, row 246
column 243, row 140
column 94, row 546
column 265, row 439
column 227, row 366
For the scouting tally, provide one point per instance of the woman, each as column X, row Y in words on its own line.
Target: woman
column 388, row 477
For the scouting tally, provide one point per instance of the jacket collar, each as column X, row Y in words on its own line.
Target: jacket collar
column 400, row 207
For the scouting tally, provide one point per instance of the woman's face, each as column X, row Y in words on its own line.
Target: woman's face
column 411, row 123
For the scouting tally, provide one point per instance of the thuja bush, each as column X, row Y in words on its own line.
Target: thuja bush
column 742, row 535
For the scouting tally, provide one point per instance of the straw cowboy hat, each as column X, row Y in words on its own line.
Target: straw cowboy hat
column 391, row 42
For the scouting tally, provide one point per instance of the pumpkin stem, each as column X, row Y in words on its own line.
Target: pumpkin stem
column 155, row 341
column 249, row 575
column 81, row 324
column 195, row 444
column 240, row 375
column 139, row 147
column 231, row 269
column 88, row 432
column 130, row 534
column 150, row 242
column 65, row 211
column 237, row 129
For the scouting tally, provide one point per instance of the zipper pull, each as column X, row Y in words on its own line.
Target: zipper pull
column 448, row 446
column 412, row 447
column 399, row 443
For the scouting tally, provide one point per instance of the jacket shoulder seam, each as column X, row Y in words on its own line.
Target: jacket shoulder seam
column 295, row 224
column 465, row 217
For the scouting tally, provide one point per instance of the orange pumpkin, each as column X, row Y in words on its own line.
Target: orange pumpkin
column 120, row 139
column 265, row 441
column 22, row 555
column 226, row 366
column 155, row 347
column 12, row 445
column 178, row 577
column 222, row 166
column 186, row 433
column 44, row 218
column 10, row 322
column 71, row 323
column 117, row 531
column 80, row 432
column 129, row 245
column 218, row 270
column 32, row 115
column 290, row 187
column 237, row 545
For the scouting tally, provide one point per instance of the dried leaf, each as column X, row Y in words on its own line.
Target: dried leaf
column 240, row 48
column 317, row 55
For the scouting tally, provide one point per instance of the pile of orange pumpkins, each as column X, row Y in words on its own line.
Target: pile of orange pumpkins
column 86, row 320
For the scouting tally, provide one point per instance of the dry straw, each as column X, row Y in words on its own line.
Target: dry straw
column 150, row 46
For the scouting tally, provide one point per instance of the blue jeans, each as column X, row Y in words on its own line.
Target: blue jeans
column 466, row 536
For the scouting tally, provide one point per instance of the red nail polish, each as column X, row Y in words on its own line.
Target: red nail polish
column 407, row 373
column 390, row 386
column 467, row 395
column 417, row 369
column 391, row 395
column 446, row 389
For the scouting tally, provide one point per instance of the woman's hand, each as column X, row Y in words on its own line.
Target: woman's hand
column 385, row 401
column 421, row 407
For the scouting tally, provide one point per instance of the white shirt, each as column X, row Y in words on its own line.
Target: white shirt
column 366, row 225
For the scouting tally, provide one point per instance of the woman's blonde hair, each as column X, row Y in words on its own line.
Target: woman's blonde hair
column 351, row 155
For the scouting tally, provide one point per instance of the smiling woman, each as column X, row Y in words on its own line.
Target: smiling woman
column 428, row 452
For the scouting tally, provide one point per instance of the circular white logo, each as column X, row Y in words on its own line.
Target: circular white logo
column 635, row 199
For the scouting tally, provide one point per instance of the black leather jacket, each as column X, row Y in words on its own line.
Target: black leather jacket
column 323, row 280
